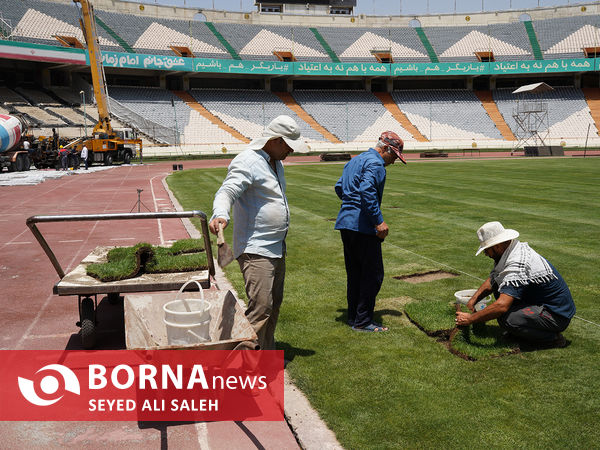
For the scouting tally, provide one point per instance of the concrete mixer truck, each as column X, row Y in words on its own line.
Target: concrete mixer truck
column 12, row 154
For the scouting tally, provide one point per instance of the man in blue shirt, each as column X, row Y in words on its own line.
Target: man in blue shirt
column 363, row 229
column 533, row 302
column 255, row 187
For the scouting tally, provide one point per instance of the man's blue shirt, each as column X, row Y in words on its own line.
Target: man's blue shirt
column 553, row 294
column 361, row 189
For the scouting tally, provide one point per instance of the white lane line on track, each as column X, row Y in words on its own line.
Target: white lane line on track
column 19, row 243
column 49, row 336
column 46, row 302
column 69, row 241
column 202, row 431
column 155, row 201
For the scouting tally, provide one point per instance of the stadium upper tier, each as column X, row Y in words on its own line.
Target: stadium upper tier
column 235, row 116
column 551, row 38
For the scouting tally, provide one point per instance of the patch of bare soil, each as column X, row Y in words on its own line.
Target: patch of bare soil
column 425, row 277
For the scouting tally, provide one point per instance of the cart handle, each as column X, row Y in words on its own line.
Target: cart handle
column 33, row 220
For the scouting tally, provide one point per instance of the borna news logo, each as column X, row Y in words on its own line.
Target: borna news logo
column 49, row 385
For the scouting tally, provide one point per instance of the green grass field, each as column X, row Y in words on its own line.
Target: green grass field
column 402, row 389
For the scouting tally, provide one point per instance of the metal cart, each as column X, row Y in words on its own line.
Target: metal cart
column 87, row 288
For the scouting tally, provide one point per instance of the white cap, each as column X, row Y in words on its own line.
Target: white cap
column 493, row 233
column 284, row 127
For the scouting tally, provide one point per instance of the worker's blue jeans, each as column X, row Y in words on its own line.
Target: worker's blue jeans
column 364, row 275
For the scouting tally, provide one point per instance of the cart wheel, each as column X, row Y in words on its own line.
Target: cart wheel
column 88, row 324
column 113, row 298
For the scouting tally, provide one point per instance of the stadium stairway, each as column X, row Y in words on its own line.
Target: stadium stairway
column 115, row 36
column 222, row 40
column 291, row 103
column 192, row 103
column 535, row 44
column 325, row 45
column 425, row 40
column 592, row 97
column 397, row 114
column 488, row 103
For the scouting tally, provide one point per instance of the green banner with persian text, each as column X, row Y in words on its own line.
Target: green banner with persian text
column 20, row 50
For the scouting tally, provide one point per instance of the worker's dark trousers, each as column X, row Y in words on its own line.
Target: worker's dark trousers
column 533, row 323
column 364, row 275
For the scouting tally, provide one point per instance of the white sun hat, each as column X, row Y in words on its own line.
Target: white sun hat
column 493, row 233
column 284, row 127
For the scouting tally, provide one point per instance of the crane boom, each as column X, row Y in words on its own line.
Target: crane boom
column 88, row 26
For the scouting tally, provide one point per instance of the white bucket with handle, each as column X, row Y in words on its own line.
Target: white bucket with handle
column 187, row 320
column 465, row 295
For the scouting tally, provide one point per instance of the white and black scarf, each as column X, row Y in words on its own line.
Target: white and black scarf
column 521, row 265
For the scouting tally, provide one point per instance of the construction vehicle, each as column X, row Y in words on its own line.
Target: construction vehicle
column 12, row 154
column 43, row 151
column 106, row 144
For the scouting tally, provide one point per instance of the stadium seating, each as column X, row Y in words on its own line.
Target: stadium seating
column 249, row 111
column 258, row 42
column 39, row 116
column 39, row 21
column 352, row 116
column 566, row 37
column 8, row 96
column 37, row 97
column 154, row 104
column 155, row 35
column 356, row 44
column 454, row 114
column 568, row 112
column 506, row 41
column 69, row 95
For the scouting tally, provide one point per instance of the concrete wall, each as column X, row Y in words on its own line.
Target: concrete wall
column 361, row 20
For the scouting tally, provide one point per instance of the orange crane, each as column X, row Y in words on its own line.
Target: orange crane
column 106, row 144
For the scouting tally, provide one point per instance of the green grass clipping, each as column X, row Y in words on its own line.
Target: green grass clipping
column 185, row 255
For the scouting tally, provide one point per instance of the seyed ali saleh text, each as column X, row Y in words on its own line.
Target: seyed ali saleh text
column 123, row 377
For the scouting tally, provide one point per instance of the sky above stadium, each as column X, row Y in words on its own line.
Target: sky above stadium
column 390, row 7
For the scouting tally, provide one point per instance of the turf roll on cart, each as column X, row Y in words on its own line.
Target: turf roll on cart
column 87, row 288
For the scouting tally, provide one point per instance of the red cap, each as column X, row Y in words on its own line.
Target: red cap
column 393, row 142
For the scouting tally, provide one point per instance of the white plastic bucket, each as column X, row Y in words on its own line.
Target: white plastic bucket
column 465, row 295
column 187, row 320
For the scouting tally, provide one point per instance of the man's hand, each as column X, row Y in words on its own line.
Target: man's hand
column 471, row 303
column 213, row 226
column 462, row 319
column 382, row 230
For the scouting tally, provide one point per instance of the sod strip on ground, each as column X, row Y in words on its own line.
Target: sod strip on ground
column 402, row 389
column 478, row 341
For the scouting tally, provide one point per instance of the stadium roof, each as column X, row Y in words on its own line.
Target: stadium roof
column 535, row 88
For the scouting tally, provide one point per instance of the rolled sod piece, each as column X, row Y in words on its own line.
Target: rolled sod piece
column 123, row 263
column 185, row 255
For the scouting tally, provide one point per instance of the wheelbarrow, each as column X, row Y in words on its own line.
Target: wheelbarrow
column 87, row 288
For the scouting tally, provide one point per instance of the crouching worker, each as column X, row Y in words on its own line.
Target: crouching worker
column 533, row 302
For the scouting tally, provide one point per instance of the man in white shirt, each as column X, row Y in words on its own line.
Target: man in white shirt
column 255, row 187
column 84, row 156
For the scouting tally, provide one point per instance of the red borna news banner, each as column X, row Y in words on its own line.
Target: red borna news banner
column 153, row 385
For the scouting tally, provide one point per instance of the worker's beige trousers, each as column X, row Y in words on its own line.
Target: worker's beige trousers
column 264, row 278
